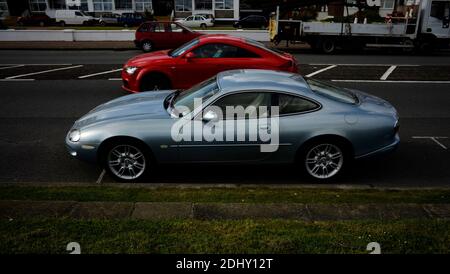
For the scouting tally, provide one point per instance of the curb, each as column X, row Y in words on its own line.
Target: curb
column 10, row 210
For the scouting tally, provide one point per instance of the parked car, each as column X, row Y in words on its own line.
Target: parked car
column 108, row 19
column 252, row 21
column 320, row 127
column 35, row 20
column 131, row 19
column 162, row 35
column 196, row 21
column 198, row 60
column 73, row 17
column 207, row 16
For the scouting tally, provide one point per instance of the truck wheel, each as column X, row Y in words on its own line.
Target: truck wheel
column 328, row 46
column 410, row 44
column 62, row 24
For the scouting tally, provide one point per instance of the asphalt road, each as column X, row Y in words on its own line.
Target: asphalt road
column 38, row 108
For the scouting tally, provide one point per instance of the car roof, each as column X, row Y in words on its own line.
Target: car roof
column 258, row 79
column 221, row 37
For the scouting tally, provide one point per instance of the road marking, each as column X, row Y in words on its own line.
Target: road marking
column 321, row 70
column 434, row 138
column 100, row 178
column 42, row 72
column 16, row 80
column 367, row 65
column 99, row 73
column 16, row 66
column 36, row 64
column 387, row 73
column 392, row 81
column 115, row 79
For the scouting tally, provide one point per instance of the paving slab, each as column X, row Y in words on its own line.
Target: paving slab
column 102, row 210
column 206, row 211
column 160, row 211
column 441, row 211
column 35, row 209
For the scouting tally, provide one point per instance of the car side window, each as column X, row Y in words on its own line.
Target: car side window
column 289, row 104
column 254, row 105
column 215, row 50
column 77, row 13
column 175, row 28
column 190, row 18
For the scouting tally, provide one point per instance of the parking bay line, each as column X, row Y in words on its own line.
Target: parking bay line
column 99, row 73
column 42, row 72
column 434, row 139
column 392, row 81
column 321, row 70
column 9, row 67
column 387, row 73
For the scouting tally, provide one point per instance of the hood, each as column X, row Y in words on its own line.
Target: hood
column 149, row 58
column 373, row 103
column 150, row 104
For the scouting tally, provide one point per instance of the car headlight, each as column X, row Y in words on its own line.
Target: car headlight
column 74, row 135
column 130, row 70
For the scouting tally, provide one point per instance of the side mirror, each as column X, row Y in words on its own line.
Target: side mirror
column 190, row 55
column 210, row 116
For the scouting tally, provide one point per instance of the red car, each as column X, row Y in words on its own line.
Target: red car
column 162, row 35
column 199, row 60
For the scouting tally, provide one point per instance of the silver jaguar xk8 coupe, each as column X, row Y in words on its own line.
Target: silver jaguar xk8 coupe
column 238, row 116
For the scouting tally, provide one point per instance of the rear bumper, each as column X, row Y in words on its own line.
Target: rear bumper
column 382, row 151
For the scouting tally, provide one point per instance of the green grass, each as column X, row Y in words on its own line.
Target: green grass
column 226, row 195
column 247, row 236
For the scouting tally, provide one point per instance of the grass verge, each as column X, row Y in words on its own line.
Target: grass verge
column 247, row 236
column 226, row 195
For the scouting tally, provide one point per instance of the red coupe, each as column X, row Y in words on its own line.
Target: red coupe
column 198, row 60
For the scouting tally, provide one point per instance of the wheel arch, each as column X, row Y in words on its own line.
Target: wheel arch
column 101, row 151
column 348, row 146
column 146, row 73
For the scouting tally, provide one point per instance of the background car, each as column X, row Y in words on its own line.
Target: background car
column 109, row 19
column 207, row 16
column 162, row 35
column 252, row 21
column 35, row 20
column 200, row 59
column 320, row 128
column 129, row 19
column 196, row 21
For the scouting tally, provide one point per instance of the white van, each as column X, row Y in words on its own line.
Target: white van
column 73, row 17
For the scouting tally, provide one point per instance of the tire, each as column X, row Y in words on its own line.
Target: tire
column 203, row 26
column 328, row 46
column 154, row 82
column 410, row 49
column 125, row 25
column 146, row 46
column 62, row 24
column 42, row 24
column 103, row 23
column 126, row 161
column 323, row 160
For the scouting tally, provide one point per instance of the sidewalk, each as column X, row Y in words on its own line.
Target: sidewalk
column 11, row 210
column 101, row 45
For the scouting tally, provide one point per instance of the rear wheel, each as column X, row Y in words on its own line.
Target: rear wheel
column 126, row 161
column 154, row 82
column 203, row 26
column 324, row 159
column 147, row 46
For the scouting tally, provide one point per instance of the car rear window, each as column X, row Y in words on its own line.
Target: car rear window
column 334, row 92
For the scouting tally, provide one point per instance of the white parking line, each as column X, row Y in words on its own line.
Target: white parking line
column 99, row 73
column 321, row 70
column 36, row 64
column 367, row 65
column 388, row 72
column 392, row 81
column 42, row 72
column 16, row 80
column 9, row 67
column 100, row 178
column 115, row 79
column 434, row 138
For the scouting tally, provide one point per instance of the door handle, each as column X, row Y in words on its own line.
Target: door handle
column 264, row 127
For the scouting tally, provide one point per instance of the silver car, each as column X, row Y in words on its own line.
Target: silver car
column 239, row 116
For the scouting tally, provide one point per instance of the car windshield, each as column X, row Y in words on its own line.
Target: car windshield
column 262, row 46
column 177, row 52
column 336, row 93
column 203, row 91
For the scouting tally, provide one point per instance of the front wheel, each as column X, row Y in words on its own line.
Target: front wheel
column 324, row 160
column 147, row 46
column 203, row 26
column 126, row 162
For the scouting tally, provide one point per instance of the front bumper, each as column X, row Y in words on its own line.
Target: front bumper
column 129, row 82
column 81, row 151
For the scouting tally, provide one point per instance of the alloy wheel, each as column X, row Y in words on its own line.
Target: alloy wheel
column 323, row 161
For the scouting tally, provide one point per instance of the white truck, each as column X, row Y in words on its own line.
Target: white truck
column 424, row 26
